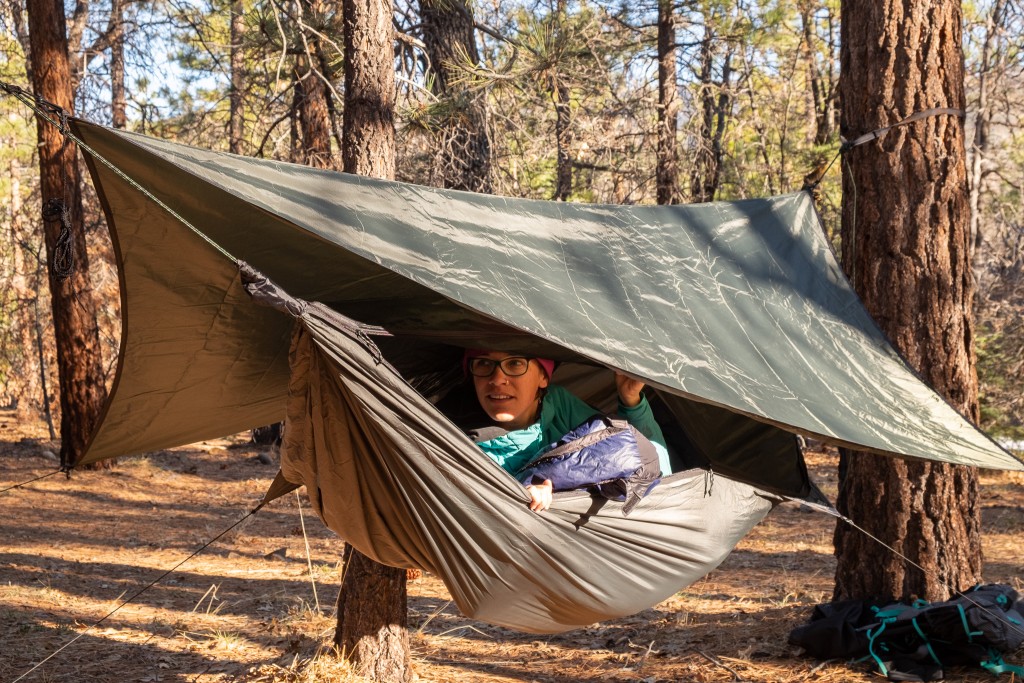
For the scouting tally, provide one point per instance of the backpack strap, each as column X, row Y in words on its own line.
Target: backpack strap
column 995, row 665
column 927, row 642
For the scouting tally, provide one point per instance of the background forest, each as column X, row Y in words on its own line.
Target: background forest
column 668, row 101
column 637, row 102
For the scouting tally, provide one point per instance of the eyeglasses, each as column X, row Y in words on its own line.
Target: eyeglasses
column 513, row 366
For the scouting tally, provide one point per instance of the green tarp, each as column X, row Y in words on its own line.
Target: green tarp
column 737, row 313
column 237, row 277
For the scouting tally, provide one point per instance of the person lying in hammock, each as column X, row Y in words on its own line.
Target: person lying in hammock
column 529, row 413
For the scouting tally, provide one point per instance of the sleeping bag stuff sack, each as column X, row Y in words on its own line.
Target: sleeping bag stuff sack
column 605, row 455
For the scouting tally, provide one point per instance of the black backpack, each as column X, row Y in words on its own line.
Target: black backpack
column 914, row 642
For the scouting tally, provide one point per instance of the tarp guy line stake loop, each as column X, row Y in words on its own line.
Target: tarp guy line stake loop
column 66, row 131
column 140, row 592
column 954, row 591
column 25, row 483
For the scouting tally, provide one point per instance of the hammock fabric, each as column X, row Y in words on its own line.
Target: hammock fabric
column 398, row 481
column 735, row 314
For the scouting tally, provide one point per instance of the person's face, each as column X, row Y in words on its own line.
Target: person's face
column 513, row 401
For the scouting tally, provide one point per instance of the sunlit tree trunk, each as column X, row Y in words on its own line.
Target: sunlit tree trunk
column 563, row 124
column 715, row 101
column 462, row 155
column 311, row 97
column 906, row 249
column 236, row 129
column 372, row 626
column 821, row 82
column 667, row 171
column 991, row 61
column 80, row 371
column 118, row 113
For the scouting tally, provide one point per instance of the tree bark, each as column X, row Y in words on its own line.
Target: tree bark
column 821, row 84
column 118, row 104
column 715, row 102
column 563, row 140
column 236, row 123
column 667, row 171
column 991, row 59
column 368, row 147
column 314, row 116
column 79, row 366
column 563, row 123
column 372, row 626
column 906, row 249
column 462, row 160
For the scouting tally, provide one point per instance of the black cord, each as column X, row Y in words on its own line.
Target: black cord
column 63, row 259
column 25, row 483
column 140, row 592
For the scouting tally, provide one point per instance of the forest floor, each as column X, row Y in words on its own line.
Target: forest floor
column 258, row 606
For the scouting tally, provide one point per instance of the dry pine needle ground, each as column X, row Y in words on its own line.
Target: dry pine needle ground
column 254, row 607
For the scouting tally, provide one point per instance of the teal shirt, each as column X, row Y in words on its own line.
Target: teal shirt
column 560, row 412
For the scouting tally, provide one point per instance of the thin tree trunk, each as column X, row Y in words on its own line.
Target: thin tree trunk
column 563, row 140
column 667, row 171
column 118, row 114
column 983, row 117
column 906, row 249
column 41, row 359
column 311, row 100
column 563, row 124
column 372, row 626
column 313, row 115
column 236, row 129
column 82, row 384
column 715, row 100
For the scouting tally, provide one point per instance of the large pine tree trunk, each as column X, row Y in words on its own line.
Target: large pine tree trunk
column 372, row 614
column 906, row 249
column 82, row 385
column 667, row 171
column 462, row 158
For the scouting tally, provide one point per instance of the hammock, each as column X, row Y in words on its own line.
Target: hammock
column 735, row 314
column 399, row 482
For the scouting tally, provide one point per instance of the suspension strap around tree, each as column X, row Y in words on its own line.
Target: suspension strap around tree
column 846, row 145
column 879, row 132
column 62, row 261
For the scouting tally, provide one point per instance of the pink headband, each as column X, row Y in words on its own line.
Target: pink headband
column 546, row 364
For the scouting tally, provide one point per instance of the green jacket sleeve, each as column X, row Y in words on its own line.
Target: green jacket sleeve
column 642, row 417
column 562, row 411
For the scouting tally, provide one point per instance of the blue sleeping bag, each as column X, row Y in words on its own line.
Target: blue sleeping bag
column 605, row 455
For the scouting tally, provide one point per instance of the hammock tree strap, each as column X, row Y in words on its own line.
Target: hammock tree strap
column 48, row 111
column 879, row 132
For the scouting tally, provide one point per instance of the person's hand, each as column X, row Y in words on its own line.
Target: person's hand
column 540, row 495
column 629, row 390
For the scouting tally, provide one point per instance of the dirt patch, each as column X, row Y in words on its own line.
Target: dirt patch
column 254, row 606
